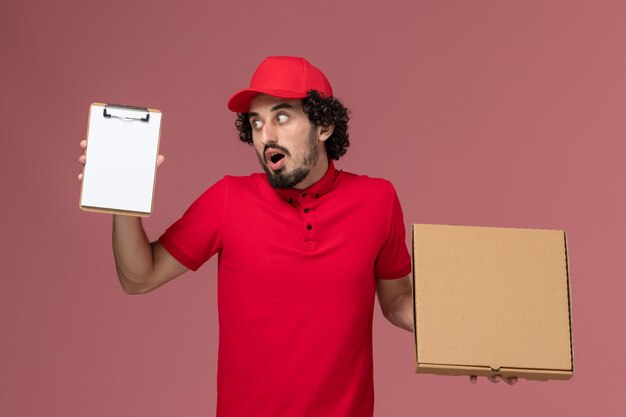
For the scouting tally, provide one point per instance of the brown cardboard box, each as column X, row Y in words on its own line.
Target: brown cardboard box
column 492, row 301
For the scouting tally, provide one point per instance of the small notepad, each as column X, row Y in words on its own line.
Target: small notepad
column 120, row 170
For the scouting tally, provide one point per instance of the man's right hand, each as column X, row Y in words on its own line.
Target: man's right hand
column 82, row 159
column 141, row 266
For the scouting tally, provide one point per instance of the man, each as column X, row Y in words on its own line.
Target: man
column 302, row 250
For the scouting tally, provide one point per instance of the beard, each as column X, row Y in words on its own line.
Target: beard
column 288, row 179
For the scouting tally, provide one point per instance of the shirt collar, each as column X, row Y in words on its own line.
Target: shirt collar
column 321, row 187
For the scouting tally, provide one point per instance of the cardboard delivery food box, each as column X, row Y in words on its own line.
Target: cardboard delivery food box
column 492, row 301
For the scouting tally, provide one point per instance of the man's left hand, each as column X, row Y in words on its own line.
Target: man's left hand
column 495, row 379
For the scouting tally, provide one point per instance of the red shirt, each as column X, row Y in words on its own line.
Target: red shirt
column 297, row 281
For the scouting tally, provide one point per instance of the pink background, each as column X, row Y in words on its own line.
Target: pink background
column 480, row 112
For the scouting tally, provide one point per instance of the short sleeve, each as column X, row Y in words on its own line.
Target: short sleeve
column 393, row 260
column 196, row 236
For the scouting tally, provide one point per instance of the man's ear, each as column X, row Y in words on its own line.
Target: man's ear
column 325, row 132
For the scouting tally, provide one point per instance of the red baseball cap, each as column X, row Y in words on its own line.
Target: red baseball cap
column 281, row 76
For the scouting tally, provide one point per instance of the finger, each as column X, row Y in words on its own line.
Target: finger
column 82, row 159
column 473, row 379
column 83, row 144
column 160, row 160
column 495, row 378
column 511, row 381
column 80, row 177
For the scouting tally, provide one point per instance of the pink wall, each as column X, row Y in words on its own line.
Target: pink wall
column 481, row 113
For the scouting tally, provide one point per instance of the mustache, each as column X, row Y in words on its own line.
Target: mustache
column 275, row 146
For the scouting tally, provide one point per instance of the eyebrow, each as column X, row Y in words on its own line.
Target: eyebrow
column 275, row 108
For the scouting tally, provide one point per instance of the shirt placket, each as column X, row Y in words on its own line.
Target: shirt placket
column 307, row 203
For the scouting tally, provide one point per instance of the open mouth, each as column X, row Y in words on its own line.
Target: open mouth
column 275, row 158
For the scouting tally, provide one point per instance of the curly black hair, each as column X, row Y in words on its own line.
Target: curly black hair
column 322, row 111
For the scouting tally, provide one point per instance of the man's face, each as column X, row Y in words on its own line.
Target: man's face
column 286, row 143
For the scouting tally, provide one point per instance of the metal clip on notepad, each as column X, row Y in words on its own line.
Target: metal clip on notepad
column 127, row 112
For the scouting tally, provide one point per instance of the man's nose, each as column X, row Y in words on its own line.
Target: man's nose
column 268, row 134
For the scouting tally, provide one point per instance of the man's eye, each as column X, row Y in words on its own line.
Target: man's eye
column 282, row 118
column 256, row 124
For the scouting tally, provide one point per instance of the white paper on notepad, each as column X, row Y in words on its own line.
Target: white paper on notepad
column 120, row 162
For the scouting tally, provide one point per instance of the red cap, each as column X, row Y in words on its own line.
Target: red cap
column 281, row 76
